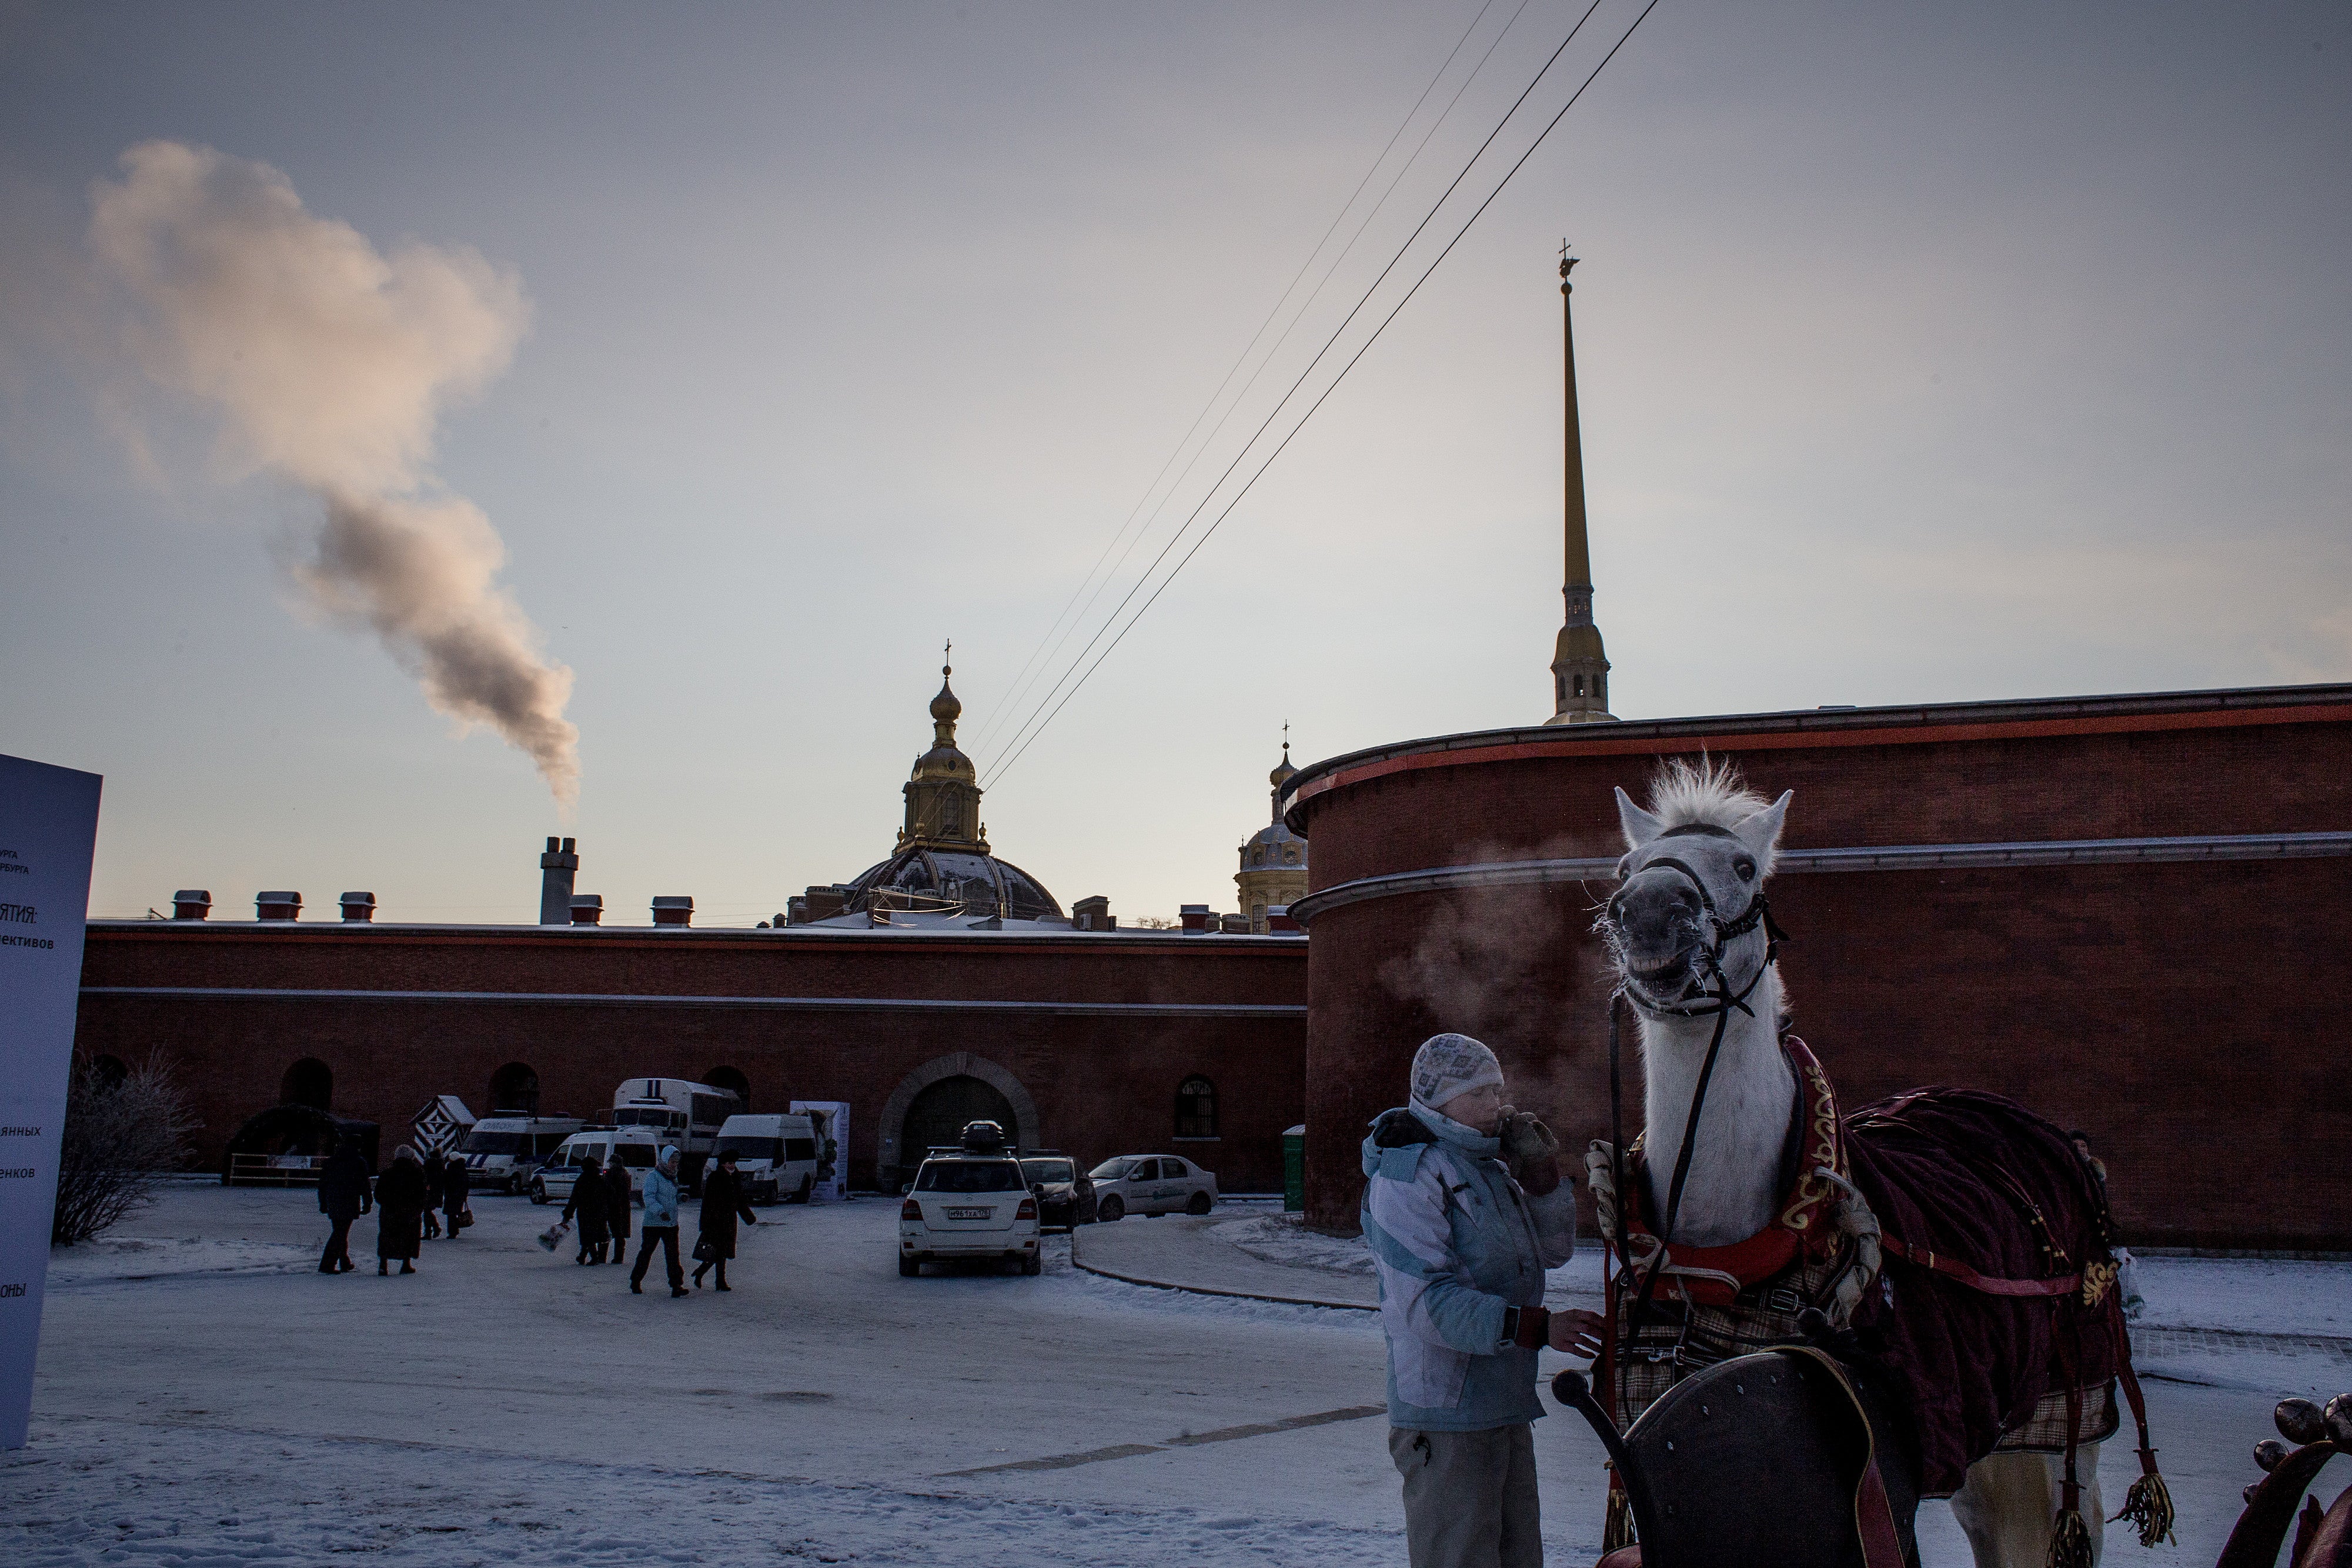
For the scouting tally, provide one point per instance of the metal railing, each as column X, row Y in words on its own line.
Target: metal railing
column 275, row 1170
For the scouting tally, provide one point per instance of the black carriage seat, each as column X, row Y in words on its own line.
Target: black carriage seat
column 1760, row 1461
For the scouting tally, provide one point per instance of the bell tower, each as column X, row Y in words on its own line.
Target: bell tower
column 943, row 792
column 1580, row 669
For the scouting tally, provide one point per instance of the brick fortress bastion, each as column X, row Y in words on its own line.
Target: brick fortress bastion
column 2130, row 913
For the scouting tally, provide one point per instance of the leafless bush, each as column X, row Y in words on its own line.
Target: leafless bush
column 125, row 1131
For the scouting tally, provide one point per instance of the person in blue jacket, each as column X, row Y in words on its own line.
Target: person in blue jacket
column 1464, row 1210
column 660, row 1225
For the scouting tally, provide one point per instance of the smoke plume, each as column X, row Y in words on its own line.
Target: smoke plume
column 328, row 362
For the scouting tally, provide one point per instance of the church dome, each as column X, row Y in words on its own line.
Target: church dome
column 954, row 881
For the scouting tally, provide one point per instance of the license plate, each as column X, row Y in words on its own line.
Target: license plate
column 970, row 1213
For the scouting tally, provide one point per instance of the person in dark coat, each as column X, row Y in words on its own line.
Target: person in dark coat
column 722, row 1200
column 342, row 1198
column 432, row 1194
column 616, row 1212
column 400, row 1212
column 455, row 1185
column 590, row 1200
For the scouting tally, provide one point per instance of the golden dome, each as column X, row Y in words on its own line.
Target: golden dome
column 945, row 708
column 1283, row 771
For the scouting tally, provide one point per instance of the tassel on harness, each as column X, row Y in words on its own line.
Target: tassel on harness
column 2148, row 1503
column 1617, row 1523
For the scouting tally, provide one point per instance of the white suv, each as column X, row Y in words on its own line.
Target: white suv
column 968, row 1205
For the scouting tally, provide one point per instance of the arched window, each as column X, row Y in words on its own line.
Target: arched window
column 309, row 1081
column 733, row 1079
column 1196, row 1108
column 515, row 1087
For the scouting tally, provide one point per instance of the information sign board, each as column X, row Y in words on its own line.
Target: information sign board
column 49, row 825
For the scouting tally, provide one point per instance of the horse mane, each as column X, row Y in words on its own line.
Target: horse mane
column 1706, row 793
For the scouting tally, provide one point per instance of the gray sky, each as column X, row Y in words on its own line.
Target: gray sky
column 1926, row 353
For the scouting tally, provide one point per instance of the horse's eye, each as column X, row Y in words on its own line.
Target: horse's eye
column 1746, row 868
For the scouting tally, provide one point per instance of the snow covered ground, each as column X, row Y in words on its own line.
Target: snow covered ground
column 205, row 1397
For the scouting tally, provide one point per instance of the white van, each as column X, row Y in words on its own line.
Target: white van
column 687, row 1116
column 775, row 1155
column 504, row 1147
column 591, row 1149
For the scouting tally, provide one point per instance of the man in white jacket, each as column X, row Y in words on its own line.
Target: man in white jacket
column 1464, row 1210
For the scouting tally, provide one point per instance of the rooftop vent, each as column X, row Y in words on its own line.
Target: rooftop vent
column 277, row 907
column 1234, row 925
column 1195, row 918
column 1278, row 918
column 1093, row 914
column 192, row 904
column 673, row 909
column 358, row 906
column 587, row 908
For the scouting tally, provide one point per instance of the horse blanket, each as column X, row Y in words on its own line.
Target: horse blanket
column 1995, row 1308
column 1979, row 1181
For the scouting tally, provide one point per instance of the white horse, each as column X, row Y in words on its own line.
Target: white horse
column 1724, row 838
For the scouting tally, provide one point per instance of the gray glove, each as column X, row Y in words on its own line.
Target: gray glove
column 1531, row 1151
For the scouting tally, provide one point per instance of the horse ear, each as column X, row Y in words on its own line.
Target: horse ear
column 1761, row 832
column 1639, row 826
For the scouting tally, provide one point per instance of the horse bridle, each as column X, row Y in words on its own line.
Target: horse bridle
column 1720, row 1004
column 1695, row 1002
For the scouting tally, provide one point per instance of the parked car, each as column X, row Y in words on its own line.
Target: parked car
column 1153, row 1185
column 972, row 1202
column 503, row 1148
column 552, row 1182
column 1066, row 1196
column 775, row 1155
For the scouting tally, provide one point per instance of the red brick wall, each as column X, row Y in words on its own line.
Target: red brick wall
column 1104, row 1084
column 2185, row 1015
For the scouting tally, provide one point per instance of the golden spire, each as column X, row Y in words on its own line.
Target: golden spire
column 1579, row 668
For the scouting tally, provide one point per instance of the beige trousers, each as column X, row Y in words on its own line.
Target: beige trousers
column 1469, row 1497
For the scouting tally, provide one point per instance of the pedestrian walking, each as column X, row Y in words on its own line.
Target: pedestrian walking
column 432, row 1194
column 590, row 1199
column 455, row 1185
column 400, row 1212
column 1464, row 1210
column 659, row 1227
column 722, row 1201
column 616, row 1213
column 342, row 1198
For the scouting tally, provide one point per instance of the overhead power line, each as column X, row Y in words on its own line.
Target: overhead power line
column 999, row 771
column 1178, row 537
column 1021, row 681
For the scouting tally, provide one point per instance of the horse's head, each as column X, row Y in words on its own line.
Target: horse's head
column 1688, row 922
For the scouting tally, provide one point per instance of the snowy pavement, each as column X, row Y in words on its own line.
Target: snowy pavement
column 206, row 1397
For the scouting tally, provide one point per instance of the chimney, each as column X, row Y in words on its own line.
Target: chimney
column 1195, row 918
column 1278, row 918
column 587, row 909
column 557, row 867
column 1093, row 914
column 277, row 907
column 192, row 904
column 673, row 909
column 1234, row 925
column 358, row 906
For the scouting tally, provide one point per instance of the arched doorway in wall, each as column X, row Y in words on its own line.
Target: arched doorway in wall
column 731, row 1078
column 309, row 1081
column 514, row 1087
column 899, row 1142
column 939, row 1112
